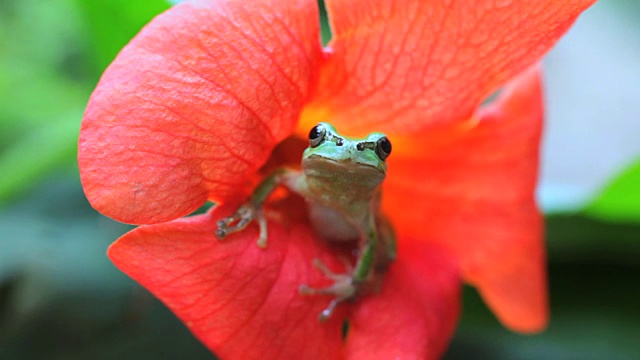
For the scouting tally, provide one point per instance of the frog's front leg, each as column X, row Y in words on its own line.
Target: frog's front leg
column 252, row 209
column 347, row 286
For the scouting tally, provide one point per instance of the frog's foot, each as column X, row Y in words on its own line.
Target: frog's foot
column 344, row 288
column 240, row 219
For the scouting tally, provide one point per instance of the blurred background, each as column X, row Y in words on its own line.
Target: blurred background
column 60, row 297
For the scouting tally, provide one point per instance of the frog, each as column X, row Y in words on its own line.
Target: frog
column 340, row 179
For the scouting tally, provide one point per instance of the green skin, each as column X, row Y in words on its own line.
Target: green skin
column 340, row 180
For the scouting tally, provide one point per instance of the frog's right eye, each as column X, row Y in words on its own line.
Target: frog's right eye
column 316, row 135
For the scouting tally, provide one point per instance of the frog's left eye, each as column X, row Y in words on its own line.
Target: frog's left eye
column 383, row 148
column 316, row 135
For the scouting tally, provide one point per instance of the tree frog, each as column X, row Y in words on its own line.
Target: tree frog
column 340, row 181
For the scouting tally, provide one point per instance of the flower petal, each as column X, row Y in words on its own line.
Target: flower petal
column 416, row 312
column 194, row 104
column 471, row 190
column 401, row 66
column 241, row 301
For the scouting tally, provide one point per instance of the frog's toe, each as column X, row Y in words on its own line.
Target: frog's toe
column 341, row 290
column 318, row 264
column 344, row 288
column 221, row 232
column 236, row 222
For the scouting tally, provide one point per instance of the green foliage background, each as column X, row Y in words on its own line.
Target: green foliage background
column 60, row 298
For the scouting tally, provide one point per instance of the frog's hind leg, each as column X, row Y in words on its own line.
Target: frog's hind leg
column 343, row 288
column 386, row 253
column 348, row 286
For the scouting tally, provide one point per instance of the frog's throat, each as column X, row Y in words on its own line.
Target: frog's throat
column 341, row 182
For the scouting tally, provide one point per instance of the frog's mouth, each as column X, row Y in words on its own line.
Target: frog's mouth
column 346, row 173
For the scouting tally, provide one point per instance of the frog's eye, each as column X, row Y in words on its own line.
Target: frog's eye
column 316, row 135
column 383, row 148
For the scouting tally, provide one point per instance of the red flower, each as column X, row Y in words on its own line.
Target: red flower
column 192, row 108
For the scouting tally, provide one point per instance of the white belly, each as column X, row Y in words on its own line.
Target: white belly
column 331, row 224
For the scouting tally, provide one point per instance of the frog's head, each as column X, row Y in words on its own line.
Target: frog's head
column 361, row 160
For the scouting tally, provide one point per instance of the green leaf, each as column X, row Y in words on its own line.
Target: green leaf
column 42, row 65
column 113, row 23
column 620, row 200
column 42, row 150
